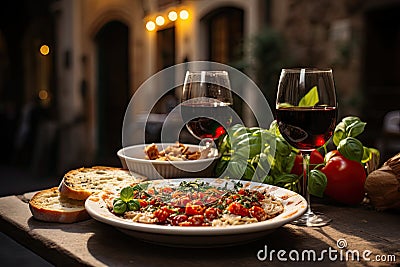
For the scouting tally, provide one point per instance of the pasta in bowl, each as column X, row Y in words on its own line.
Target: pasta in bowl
column 190, row 212
column 151, row 161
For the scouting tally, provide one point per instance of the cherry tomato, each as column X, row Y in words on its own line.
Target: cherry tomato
column 258, row 213
column 143, row 203
column 242, row 192
column 346, row 179
column 161, row 215
column 193, row 209
column 238, row 209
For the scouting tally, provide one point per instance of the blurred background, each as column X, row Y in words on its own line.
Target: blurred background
column 68, row 68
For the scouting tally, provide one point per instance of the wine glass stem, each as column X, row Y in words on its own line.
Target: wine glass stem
column 305, row 193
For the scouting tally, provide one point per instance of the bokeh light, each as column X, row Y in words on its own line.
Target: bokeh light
column 160, row 20
column 184, row 14
column 44, row 50
column 150, row 26
column 172, row 15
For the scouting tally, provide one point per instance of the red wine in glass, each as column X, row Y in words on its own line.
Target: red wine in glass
column 306, row 112
column 206, row 103
column 207, row 120
column 306, row 128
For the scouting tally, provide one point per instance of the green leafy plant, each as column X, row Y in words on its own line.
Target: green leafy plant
column 264, row 155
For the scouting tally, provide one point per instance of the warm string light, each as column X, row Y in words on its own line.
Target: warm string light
column 160, row 20
column 184, row 14
column 172, row 16
column 150, row 26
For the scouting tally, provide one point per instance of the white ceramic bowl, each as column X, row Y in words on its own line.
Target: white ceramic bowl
column 134, row 159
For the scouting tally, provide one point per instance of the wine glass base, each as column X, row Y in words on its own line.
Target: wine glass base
column 311, row 219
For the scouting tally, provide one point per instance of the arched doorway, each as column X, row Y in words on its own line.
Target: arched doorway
column 112, row 92
column 224, row 30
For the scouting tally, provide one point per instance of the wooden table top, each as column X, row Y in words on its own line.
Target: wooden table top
column 373, row 236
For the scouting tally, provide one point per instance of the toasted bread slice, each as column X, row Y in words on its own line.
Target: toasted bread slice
column 47, row 205
column 81, row 183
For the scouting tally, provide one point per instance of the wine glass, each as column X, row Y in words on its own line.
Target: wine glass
column 306, row 112
column 206, row 104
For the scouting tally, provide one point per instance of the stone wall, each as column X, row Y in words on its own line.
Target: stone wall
column 325, row 33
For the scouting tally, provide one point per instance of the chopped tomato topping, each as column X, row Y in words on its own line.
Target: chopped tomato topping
column 238, row 209
column 194, row 209
column 161, row 215
column 167, row 190
column 177, row 219
column 242, row 192
column 258, row 213
column 143, row 203
column 196, row 220
column 212, row 213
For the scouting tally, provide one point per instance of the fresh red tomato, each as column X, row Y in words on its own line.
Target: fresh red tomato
column 298, row 165
column 315, row 159
column 346, row 179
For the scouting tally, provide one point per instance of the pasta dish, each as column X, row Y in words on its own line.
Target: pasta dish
column 193, row 203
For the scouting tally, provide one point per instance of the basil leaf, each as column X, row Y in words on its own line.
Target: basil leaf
column 317, row 182
column 220, row 167
column 351, row 148
column 133, row 204
column 236, row 169
column 340, row 133
column 350, row 120
column 274, row 128
column 367, row 155
column 310, row 99
column 285, row 179
column 126, row 194
column 119, row 207
column 249, row 172
column 268, row 180
column 282, row 147
column 350, row 126
column 354, row 126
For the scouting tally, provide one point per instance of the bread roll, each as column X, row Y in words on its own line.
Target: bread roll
column 81, row 183
column 47, row 205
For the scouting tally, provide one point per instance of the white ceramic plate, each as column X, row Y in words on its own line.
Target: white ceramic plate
column 133, row 158
column 203, row 236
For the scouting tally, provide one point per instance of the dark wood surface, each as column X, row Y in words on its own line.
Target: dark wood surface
column 93, row 243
